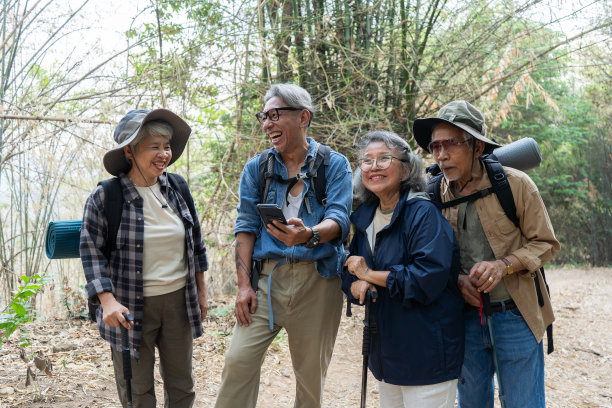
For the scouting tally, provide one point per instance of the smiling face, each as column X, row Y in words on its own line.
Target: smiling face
column 152, row 156
column 385, row 184
column 455, row 162
column 289, row 131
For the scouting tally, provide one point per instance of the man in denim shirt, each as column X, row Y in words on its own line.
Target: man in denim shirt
column 299, row 286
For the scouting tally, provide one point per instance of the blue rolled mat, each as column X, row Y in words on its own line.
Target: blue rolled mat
column 63, row 238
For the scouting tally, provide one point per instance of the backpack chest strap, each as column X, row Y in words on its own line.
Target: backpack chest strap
column 469, row 198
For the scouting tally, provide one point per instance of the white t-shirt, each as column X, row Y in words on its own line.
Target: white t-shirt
column 291, row 206
column 381, row 220
column 164, row 264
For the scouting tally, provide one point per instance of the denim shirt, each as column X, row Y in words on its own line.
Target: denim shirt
column 329, row 256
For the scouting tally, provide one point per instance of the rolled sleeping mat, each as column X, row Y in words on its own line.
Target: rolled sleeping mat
column 523, row 154
column 62, row 239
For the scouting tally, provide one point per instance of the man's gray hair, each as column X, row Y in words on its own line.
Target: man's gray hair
column 400, row 149
column 469, row 139
column 293, row 95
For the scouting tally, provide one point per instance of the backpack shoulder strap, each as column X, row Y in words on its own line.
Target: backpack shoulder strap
column 113, row 208
column 433, row 189
column 317, row 172
column 433, row 184
column 501, row 186
column 266, row 169
column 549, row 329
column 179, row 184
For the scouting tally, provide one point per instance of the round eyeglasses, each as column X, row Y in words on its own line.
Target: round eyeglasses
column 273, row 114
column 382, row 162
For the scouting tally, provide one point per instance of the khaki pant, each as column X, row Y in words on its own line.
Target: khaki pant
column 309, row 307
column 165, row 325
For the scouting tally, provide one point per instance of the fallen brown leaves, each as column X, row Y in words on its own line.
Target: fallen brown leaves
column 577, row 373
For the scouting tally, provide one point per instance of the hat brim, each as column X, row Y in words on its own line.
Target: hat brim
column 423, row 128
column 115, row 161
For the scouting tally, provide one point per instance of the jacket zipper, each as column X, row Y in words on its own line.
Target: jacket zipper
column 372, row 251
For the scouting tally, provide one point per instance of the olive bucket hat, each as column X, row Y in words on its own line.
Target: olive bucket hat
column 127, row 129
column 461, row 114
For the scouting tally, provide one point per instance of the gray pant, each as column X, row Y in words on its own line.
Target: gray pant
column 165, row 325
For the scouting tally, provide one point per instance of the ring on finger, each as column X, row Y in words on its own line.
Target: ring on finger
column 491, row 279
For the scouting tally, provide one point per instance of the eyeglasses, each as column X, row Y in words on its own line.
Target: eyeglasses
column 382, row 162
column 449, row 145
column 273, row 114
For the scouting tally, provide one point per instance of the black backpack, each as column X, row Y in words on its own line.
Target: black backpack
column 113, row 209
column 316, row 173
column 501, row 187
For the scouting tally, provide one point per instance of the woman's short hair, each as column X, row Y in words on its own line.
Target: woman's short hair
column 294, row 96
column 153, row 128
column 400, row 149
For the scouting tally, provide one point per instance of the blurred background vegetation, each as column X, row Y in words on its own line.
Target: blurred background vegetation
column 72, row 68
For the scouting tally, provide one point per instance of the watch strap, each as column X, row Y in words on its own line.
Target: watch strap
column 314, row 240
column 509, row 267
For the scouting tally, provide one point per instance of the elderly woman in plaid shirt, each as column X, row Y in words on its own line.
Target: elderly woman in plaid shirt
column 155, row 270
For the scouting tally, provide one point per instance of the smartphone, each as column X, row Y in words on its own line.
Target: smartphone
column 270, row 212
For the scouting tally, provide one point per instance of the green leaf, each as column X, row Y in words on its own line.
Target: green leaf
column 19, row 309
column 27, row 293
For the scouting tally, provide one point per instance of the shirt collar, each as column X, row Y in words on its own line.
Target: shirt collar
column 130, row 192
column 482, row 184
column 312, row 146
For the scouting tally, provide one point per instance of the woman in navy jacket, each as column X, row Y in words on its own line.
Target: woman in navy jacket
column 405, row 250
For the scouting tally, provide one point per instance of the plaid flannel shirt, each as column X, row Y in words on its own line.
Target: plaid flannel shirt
column 122, row 274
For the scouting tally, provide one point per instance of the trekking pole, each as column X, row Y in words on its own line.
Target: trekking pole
column 369, row 328
column 486, row 306
column 127, row 361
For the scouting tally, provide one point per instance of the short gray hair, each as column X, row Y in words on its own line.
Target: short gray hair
column 401, row 149
column 469, row 139
column 294, row 96
column 153, row 128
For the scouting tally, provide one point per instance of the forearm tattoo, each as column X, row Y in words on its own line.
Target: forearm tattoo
column 241, row 265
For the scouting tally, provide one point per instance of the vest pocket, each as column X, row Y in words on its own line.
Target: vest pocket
column 505, row 226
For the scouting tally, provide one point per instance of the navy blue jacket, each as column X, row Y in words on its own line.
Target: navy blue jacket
column 419, row 313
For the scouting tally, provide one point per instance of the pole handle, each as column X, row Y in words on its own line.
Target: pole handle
column 369, row 323
column 125, row 348
column 486, row 304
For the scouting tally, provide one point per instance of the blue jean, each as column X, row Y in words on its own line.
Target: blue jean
column 521, row 361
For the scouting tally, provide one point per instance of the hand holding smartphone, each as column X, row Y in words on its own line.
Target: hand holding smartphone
column 269, row 213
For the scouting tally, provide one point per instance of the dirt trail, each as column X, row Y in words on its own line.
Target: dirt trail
column 577, row 373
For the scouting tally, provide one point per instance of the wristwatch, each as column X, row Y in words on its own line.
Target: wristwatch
column 509, row 267
column 314, row 240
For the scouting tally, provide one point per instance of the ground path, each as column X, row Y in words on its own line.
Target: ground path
column 577, row 373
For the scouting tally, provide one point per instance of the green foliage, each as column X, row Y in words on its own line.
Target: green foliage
column 575, row 176
column 280, row 341
column 19, row 310
column 221, row 312
column 74, row 301
column 180, row 36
